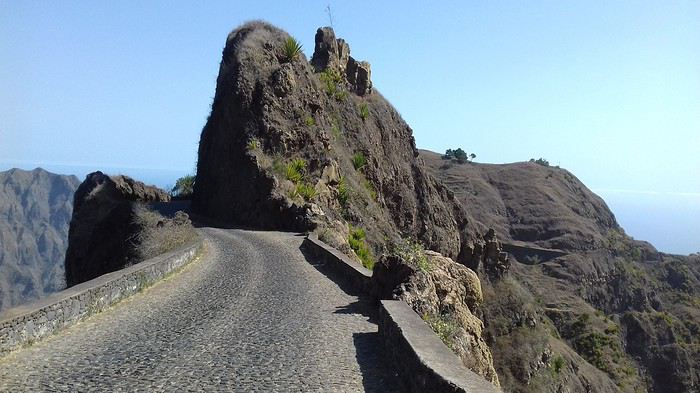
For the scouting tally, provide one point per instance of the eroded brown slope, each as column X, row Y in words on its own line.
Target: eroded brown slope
column 610, row 307
column 529, row 202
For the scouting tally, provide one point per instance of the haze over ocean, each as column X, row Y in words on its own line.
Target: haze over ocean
column 669, row 221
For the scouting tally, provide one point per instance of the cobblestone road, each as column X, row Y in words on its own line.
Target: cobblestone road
column 251, row 315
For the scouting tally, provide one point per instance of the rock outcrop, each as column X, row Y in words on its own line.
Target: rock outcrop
column 35, row 212
column 448, row 296
column 104, row 227
column 291, row 145
column 301, row 146
column 334, row 55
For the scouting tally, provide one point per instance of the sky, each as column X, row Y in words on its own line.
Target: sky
column 609, row 90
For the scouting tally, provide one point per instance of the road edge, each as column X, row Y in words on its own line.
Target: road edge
column 26, row 324
column 421, row 359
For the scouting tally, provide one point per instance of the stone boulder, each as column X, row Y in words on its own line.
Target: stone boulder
column 103, row 225
column 359, row 76
column 448, row 296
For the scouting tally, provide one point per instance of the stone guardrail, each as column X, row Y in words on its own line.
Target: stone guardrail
column 423, row 361
column 359, row 277
column 34, row 321
column 421, row 358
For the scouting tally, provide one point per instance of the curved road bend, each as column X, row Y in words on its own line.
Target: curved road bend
column 252, row 315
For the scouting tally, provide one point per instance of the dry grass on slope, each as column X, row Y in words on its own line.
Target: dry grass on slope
column 159, row 234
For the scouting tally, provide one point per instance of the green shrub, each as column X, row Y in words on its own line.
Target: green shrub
column 458, row 154
column 333, row 82
column 343, row 192
column 309, row 121
column 412, row 252
column 370, row 189
column 444, row 326
column 184, row 186
column 293, row 175
column 305, row 190
column 340, row 95
column 364, row 111
column 359, row 245
column 540, row 161
column 359, row 160
column 291, row 48
column 253, row 144
column 295, row 170
column 558, row 364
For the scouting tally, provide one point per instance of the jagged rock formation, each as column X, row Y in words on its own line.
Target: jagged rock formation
column 296, row 145
column 269, row 111
column 334, row 54
column 489, row 258
column 35, row 210
column 104, row 227
column 609, row 314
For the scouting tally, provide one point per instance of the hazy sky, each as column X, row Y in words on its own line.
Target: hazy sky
column 609, row 90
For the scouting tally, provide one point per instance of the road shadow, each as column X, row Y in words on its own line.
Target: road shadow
column 325, row 269
column 364, row 306
column 377, row 373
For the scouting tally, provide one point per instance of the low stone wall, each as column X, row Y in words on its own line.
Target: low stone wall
column 34, row 321
column 354, row 274
column 422, row 360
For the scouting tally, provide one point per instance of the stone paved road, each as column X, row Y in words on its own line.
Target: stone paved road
column 252, row 315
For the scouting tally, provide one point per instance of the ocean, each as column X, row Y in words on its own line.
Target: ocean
column 669, row 221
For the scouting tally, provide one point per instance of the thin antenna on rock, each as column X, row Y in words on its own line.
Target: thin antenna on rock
column 330, row 15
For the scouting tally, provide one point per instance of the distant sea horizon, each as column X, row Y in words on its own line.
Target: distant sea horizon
column 669, row 221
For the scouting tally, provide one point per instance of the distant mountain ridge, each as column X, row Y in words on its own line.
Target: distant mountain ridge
column 35, row 212
column 603, row 299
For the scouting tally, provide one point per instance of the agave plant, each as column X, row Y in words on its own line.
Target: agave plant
column 291, row 48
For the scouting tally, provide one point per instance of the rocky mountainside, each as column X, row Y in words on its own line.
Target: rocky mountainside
column 554, row 296
column 603, row 302
column 35, row 209
column 299, row 145
column 113, row 226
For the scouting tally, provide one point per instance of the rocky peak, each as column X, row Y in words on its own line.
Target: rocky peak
column 334, row 55
column 102, row 228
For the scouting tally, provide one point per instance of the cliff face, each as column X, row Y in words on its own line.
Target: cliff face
column 301, row 146
column 355, row 157
column 35, row 209
column 105, row 225
column 605, row 313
